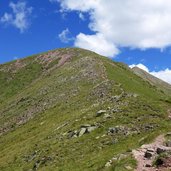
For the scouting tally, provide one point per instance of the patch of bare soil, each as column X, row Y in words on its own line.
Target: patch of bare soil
column 147, row 153
column 169, row 114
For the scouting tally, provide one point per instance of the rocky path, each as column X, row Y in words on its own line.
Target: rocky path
column 146, row 154
column 169, row 114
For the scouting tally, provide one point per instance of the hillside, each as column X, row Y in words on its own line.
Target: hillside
column 161, row 85
column 72, row 109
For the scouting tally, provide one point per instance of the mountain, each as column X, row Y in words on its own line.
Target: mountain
column 161, row 85
column 72, row 109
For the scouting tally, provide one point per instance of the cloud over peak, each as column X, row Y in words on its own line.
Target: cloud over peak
column 135, row 24
column 164, row 75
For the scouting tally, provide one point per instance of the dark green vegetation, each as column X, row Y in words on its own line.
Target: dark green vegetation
column 48, row 112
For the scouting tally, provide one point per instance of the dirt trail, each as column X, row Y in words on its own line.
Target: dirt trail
column 145, row 164
column 169, row 114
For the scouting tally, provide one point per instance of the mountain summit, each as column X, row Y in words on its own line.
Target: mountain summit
column 72, row 109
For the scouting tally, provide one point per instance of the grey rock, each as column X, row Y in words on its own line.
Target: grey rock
column 148, row 154
column 160, row 150
column 82, row 131
column 108, row 164
column 168, row 143
column 71, row 134
column 85, row 125
column 122, row 156
column 100, row 112
column 148, row 165
column 149, row 127
column 128, row 168
column 91, row 128
column 114, row 159
column 107, row 116
column 117, row 129
column 168, row 134
column 116, row 98
column 115, row 110
column 151, row 150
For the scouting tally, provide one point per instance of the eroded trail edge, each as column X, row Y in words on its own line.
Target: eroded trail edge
column 147, row 153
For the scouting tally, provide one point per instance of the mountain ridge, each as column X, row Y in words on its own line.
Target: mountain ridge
column 162, row 85
column 72, row 109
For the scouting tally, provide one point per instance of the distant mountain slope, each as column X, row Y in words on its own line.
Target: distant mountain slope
column 72, row 109
column 165, row 87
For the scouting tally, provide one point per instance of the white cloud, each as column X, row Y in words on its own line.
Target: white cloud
column 65, row 37
column 124, row 23
column 141, row 66
column 19, row 17
column 7, row 18
column 164, row 75
column 81, row 16
column 91, row 41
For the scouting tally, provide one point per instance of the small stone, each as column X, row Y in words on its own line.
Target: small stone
column 85, row 125
column 159, row 162
column 150, row 150
column 168, row 134
column 128, row 167
column 160, row 150
column 100, row 112
column 107, row 116
column 82, row 131
column 108, row 108
column 112, row 130
column 114, row 159
column 148, row 154
column 148, row 165
column 104, row 135
column 71, row 134
column 122, row 156
column 91, row 128
column 108, row 164
column 168, row 143
column 148, row 127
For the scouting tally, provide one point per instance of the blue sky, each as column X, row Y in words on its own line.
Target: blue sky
column 136, row 33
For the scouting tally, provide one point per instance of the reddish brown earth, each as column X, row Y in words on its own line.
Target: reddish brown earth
column 145, row 164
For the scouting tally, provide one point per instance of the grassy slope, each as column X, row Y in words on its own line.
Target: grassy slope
column 161, row 85
column 63, row 99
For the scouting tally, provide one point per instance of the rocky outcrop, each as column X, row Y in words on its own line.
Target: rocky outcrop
column 84, row 129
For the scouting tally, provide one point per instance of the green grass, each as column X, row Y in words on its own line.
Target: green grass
column 71, row 95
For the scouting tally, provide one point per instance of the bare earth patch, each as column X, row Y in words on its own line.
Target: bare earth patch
column 146, row 154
